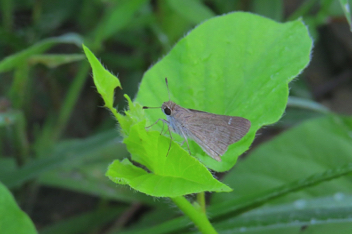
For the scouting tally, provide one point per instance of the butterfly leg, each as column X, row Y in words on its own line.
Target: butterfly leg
column 162, row 120
column 184, row 136
column 163, row 127
column 168, row 127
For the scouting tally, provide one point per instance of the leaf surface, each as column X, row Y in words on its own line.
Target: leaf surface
column 237, row 64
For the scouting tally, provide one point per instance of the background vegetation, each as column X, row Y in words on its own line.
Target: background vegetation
column 56, row 141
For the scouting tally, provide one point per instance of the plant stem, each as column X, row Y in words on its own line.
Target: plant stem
column 71, row 99
column 21, row 141
column 201, row 201
column 7, row 8
column 197, row 216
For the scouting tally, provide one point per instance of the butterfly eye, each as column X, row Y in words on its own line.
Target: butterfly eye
column 167, row 111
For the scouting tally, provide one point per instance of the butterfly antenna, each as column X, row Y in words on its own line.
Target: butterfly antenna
column 167, row 86
column 147, row 107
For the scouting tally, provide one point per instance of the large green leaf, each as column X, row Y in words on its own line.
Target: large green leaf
column 12, row 218
column 238, row 64
column 201, row 65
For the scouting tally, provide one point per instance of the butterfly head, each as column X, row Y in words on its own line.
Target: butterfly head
column 168, row 107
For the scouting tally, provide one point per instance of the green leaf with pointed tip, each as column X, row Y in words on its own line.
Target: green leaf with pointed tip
column 103, row 80
column 134, row 115
column 12, row 218
column 171, row 175
column 238, row 64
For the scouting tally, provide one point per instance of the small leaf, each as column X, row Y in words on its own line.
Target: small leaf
column 103, row 80
column 134, row 115
column 171, row 175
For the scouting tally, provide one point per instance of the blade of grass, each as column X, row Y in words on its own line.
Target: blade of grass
column 269, row 8
column 71, row 99
column 15, row 122
column 55, row 60
column 19, row 88
column 194, row 11
column 238, row 206
column 114, row 20
column 63, row 155
column 302, row 10
column 19, row 58
column 7, row 11
column 306, row 104
column 83, row 223
column 323, row 215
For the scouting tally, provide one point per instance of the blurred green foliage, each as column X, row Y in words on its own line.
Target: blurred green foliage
column 54, row 135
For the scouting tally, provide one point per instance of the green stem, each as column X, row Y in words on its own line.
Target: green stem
column 52, row 131
column 201, row 201
column 37, row 11
column 15, row 123
column 19, row 86
column 7, row 7
column 22, row 144
column 198, row 217
column 71, row 99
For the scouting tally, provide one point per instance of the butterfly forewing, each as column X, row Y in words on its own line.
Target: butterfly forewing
column 214, row 133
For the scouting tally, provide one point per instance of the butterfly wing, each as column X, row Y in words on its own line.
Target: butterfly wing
column 214, row 133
